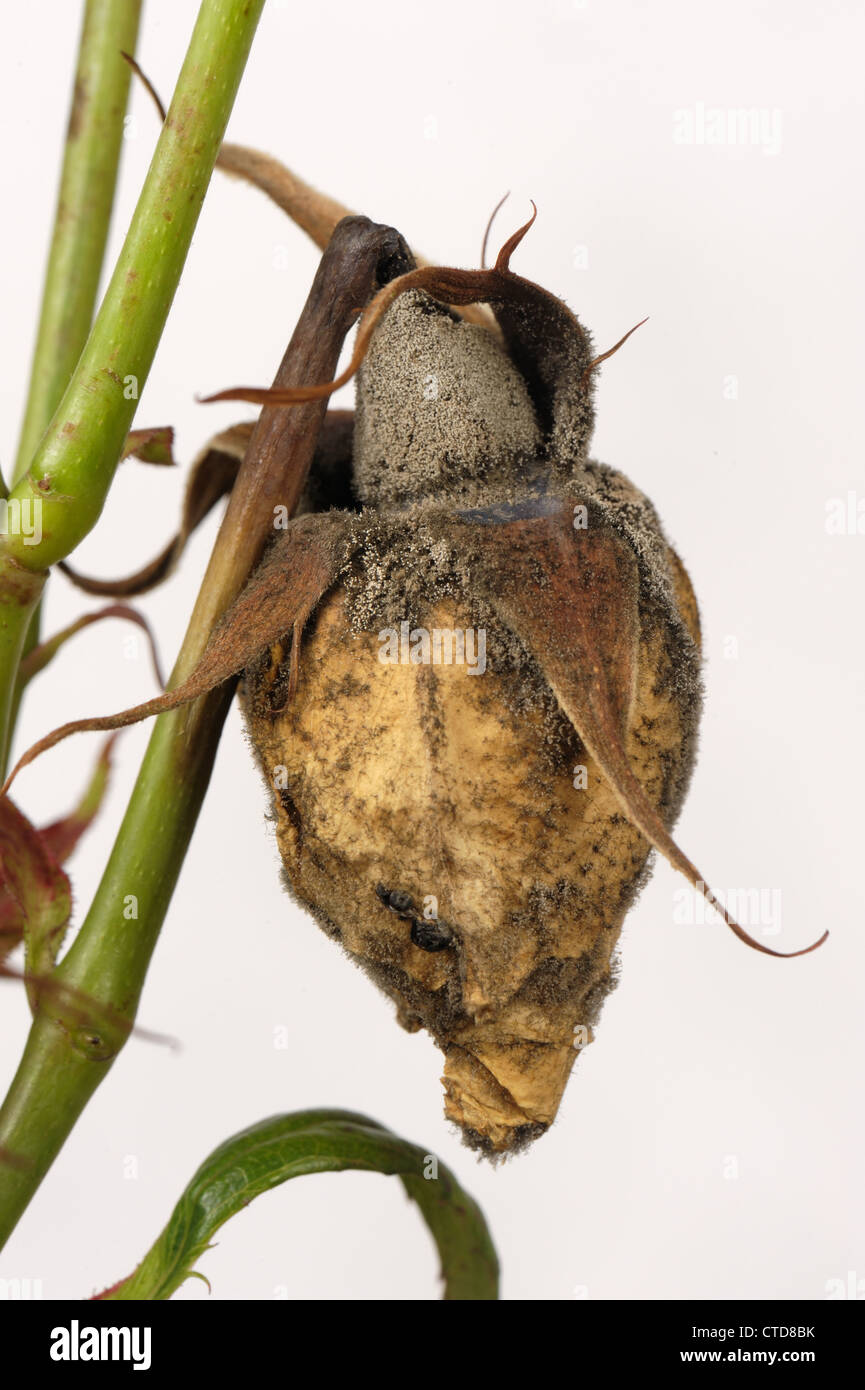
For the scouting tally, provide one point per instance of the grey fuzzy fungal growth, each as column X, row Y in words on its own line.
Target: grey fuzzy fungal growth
column 440, row 407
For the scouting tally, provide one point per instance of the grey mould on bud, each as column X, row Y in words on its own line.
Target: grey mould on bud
column 473, row 507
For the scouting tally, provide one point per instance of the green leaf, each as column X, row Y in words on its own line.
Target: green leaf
column 42, row 866
column 317, row 1141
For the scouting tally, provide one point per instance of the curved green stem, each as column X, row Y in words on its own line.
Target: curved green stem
column 83, row 213
column 81, row 220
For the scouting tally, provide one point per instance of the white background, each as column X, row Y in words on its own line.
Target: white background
column 749, row 264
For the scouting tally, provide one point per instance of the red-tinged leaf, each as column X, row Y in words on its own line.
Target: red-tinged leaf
column 60, row 839
column 34, row 880
column 11, row 923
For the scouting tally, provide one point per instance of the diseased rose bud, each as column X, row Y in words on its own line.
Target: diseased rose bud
column 472, row 680
column 428, row 812
column 442, row 783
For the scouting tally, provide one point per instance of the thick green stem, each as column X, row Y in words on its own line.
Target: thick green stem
column 64, row 1061
column 83, row 213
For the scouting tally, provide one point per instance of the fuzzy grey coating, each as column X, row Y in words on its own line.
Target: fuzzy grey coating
column 630, row 512
column 407, row 554
column 441, row 409
column 553, row 351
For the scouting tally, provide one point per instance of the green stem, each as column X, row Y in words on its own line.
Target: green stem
column 75, row 462
column 64, row 1062
column 83, row 213
column 20, row 592
column 81, row 220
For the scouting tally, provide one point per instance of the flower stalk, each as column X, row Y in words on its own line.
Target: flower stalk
column 70, row 475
